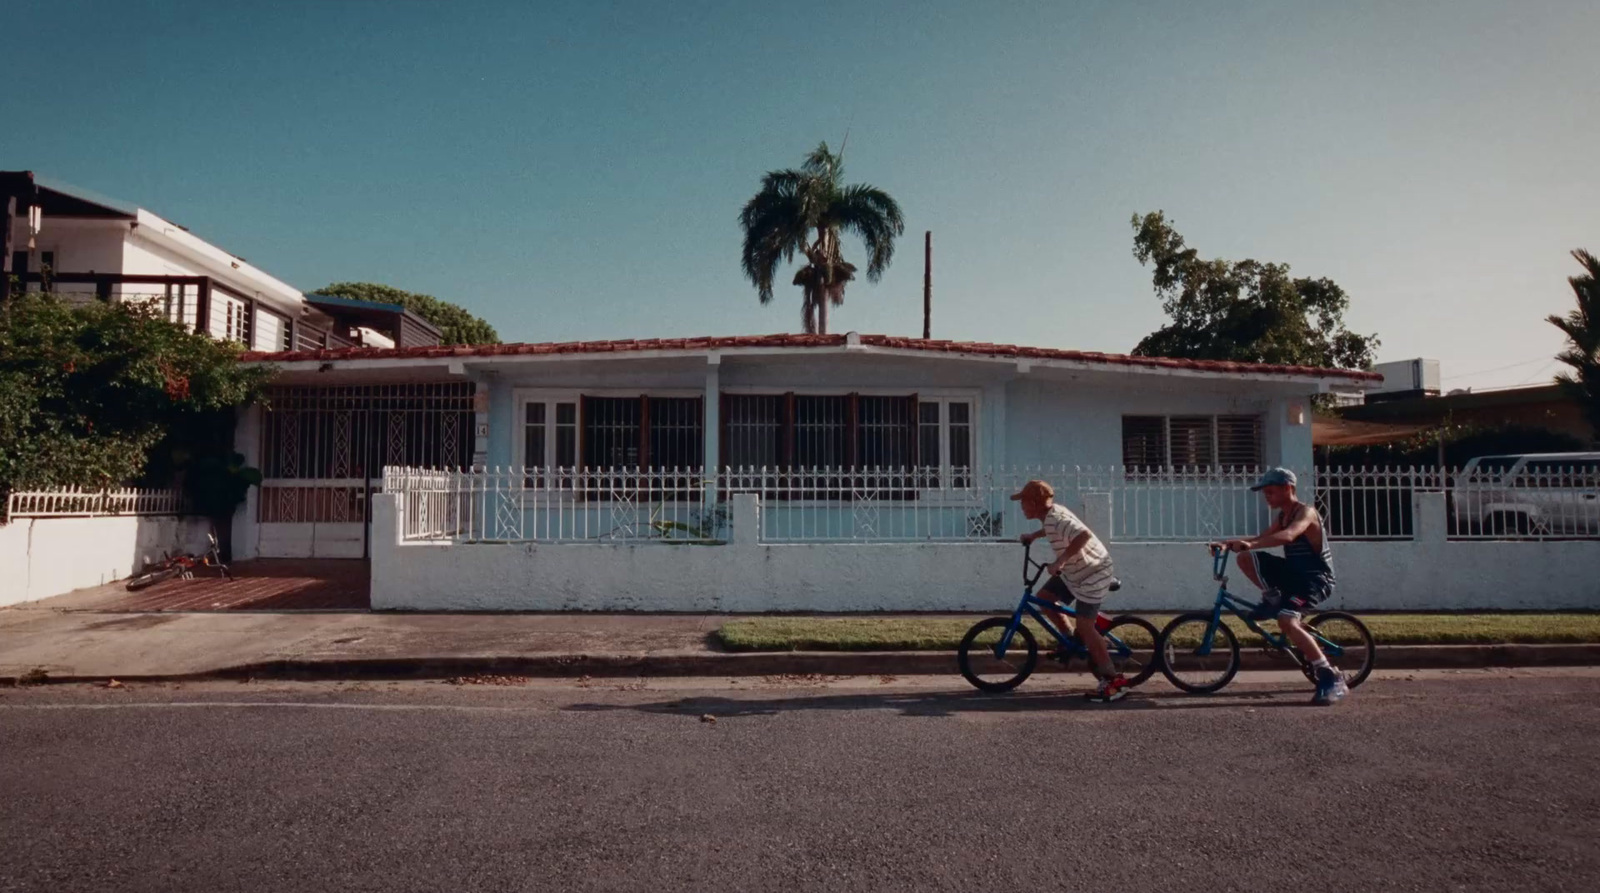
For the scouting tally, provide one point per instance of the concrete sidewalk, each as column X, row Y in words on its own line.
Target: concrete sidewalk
column 86, row 646
column 148, row 645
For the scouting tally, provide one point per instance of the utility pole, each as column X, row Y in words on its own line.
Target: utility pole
column 927, row 285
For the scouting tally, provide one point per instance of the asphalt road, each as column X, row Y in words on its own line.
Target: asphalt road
column 1443, row 781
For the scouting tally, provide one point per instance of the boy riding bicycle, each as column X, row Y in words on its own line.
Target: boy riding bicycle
column 1085, row 565
column 1300, row 579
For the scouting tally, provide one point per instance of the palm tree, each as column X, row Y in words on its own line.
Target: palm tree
column 805, row 211
column 1582, row 328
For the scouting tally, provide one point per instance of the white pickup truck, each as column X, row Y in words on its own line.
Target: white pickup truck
column 1537, row 494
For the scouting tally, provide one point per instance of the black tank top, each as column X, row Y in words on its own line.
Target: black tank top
column 1303, row 556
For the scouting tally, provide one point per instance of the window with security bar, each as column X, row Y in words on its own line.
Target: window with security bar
column 595, row 444
column 1154, row 443
column 831, row 446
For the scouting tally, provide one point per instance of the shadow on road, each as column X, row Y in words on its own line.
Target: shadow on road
column 951, row 703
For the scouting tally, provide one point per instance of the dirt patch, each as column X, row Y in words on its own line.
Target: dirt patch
column 137, row 621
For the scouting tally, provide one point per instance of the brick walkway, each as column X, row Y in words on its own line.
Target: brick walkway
column 278, row 584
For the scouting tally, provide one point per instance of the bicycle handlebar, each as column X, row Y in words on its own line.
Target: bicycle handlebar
column 1219, row 561
column 1028, row 564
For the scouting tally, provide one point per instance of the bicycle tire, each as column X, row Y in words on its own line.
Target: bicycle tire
column 1352, row 676
column 964, row 657
column 1125, row 662
column 151, row 578
column 1174, row 655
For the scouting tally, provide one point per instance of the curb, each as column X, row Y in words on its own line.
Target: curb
column 825, row 663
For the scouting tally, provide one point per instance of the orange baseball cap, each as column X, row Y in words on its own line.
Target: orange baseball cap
column 1035, row 489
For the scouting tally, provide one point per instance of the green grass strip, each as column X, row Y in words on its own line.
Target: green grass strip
column 943, row 633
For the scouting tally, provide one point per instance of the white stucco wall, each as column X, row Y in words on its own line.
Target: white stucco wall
column 42, row 557
column 1426, row 574
column 81, row 245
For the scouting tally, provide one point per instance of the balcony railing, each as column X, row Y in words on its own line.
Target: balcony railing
column 200, row 303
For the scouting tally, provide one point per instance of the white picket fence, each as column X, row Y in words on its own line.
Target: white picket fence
column 78, row 502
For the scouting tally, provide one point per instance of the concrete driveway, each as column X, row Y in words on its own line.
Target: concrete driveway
column 267, row 584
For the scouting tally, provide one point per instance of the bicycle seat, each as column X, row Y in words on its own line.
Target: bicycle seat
column 1115, row 584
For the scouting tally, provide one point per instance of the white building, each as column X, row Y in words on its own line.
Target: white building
column 70, row 241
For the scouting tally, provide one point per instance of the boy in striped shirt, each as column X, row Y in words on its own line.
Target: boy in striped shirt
column 1082, row 570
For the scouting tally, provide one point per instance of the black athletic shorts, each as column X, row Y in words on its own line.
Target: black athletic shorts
column 1300, row 590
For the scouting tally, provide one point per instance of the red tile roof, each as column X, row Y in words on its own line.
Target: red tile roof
column 797, row 341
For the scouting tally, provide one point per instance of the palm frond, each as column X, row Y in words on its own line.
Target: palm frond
column 774, row 229
column 823, row 163
column 874, row 216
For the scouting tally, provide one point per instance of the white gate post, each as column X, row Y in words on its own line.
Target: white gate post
column 1428, row 521
column 1097, row 514
column 744, row 528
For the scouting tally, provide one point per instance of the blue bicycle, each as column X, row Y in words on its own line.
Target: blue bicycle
column 1200, row 653
column 998, row 653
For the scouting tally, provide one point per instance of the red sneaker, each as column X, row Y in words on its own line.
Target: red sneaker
column 1113, row 689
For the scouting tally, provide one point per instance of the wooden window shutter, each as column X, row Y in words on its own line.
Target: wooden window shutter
column 914, row 429
column 644, row 431
column 852, row 428
column 723, row 429
column 786, row 449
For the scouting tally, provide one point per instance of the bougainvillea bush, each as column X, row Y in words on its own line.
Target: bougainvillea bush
column 102, row 394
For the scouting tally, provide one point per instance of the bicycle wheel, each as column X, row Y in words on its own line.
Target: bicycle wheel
column 1182, row 661
column 1136, row 657
column 151, row 578
column 1346, row 643
column 992, row 673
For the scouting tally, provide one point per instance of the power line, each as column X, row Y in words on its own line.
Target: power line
column 1495, row 369
column 1543, row 370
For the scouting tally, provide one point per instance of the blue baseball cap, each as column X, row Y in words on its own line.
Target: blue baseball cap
column 1279, row 476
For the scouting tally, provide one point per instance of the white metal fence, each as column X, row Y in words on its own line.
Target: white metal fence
column 972, row 505
column 69, row 502
column 518, row 505
column 968, row 505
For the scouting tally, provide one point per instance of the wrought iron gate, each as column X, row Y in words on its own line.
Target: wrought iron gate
column 323, row 450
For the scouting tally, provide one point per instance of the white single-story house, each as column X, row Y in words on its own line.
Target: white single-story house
column 799, row 418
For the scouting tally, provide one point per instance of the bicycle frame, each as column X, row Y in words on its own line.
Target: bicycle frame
column 1031, row 605
column 1242, row 608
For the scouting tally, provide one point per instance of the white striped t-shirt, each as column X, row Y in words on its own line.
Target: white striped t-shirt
column 1090, row 570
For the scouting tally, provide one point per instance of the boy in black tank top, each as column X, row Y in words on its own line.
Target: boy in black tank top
column 1299, row 580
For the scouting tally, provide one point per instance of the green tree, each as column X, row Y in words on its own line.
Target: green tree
column 105, row 394
column 1582, row 328
column 1245, row 311
column 456, row 325
column 806, row 211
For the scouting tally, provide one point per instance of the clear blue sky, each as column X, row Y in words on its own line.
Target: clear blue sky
column 575, row 170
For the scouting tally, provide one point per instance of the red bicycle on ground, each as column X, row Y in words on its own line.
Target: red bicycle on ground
column 182, row 565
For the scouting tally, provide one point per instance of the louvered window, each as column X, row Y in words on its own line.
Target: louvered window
column 1152, row 443
column 1190, row 440
column 1144, row 442
column 1239, row 441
